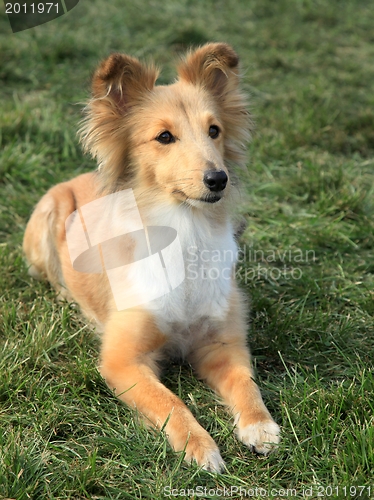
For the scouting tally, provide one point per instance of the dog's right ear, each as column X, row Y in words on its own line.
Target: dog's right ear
column 118, row 85
column 121, row 80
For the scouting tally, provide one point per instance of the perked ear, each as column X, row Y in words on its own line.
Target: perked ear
column 122, row 80
column 118, row 85
column 213, row 66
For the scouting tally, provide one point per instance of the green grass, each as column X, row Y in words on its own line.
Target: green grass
column 308, row 198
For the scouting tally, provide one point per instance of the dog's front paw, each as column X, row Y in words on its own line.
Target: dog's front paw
column 205, row 453
column 263, row 437
column 213, row 462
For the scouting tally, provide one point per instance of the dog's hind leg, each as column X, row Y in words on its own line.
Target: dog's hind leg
column 44, row 229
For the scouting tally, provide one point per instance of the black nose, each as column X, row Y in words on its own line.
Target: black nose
column 215, row 180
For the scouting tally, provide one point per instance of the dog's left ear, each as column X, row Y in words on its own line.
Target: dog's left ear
column 213, row 66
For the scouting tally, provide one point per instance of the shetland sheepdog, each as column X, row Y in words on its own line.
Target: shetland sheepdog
column 166, row 157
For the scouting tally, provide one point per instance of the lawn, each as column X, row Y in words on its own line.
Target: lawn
column 307, row 256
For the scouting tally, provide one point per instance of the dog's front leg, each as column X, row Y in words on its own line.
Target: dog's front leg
column 225, row 365
column 130, row 348
column 223, row 360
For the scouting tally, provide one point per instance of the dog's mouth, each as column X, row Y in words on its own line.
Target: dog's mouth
column 208, row 198
column 211, row 198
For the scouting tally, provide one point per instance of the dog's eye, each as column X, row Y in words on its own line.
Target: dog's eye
column 165, row 137
column 214, row 131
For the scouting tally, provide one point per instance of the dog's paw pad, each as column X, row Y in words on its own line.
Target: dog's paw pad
column 262, row 437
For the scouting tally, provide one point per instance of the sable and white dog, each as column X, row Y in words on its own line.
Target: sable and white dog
column 174, row 148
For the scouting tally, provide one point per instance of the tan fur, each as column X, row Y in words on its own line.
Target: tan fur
column 124, row 117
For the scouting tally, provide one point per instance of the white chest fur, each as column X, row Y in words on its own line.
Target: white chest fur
column 209, row 254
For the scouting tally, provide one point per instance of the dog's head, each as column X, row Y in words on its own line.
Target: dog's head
column 178, row 141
